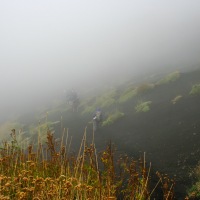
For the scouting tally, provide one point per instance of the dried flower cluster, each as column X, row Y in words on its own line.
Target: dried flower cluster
column 50, row 172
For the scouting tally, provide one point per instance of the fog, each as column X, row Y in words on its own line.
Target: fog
column 48, row 46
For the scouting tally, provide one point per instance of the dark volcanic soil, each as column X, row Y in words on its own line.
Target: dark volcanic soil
column 168, row 133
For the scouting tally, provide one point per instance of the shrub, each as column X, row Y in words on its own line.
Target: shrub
column 176, row 99
column 143, row 106
column 113, row 93
column 127, row 96
column 88, row 110
column 194, row 191
column 169, row 78
column 195, row 89
column 112, row 118
column 107, row 103
column 106, row 100
column 87, row 102
column 144, row 87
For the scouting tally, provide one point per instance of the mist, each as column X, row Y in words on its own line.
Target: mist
column 49, row 46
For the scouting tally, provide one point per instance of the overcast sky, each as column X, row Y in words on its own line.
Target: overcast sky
column 49, row 45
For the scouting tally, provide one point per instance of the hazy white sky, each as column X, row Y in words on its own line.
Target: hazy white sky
column 48, row 45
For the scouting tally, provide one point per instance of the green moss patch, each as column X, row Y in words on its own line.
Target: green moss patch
column 112, row 118
column 143, row 106
column 195, row 89
column 144, row 87
column 169, row 78
column 176, row 99
column 129, row 94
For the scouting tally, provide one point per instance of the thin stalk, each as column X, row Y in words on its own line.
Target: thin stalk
column 78, row 157
column 169, row 191
column 83, row 160
column 154, row 188
column 144, row 188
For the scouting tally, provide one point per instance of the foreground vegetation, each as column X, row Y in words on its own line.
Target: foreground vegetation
column 35, row 165
column 49, row 171
column 194, row 191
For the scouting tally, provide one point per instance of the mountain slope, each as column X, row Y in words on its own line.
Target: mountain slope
column 157, row 115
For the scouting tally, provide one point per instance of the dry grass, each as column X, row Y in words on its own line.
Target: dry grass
column 49, row 171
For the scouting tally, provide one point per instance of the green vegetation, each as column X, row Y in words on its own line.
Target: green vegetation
column 108, row 102
column 104, row 101
column 51, row 172
column 143, row 106
column 41, row 129
column 127, row 95
column 108, row 99
column 169, row 78
column 112, row 118
column 132, row 91
column 47, row 170
column 88, row 110
column 6, row 127
column 176, row 99
column 195, row 89
column 114, row 98
column 113, row 93
column 194, row 191
column 144, row 87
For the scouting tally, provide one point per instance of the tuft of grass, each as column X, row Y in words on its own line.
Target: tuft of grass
column 143, row 106
column 127, row 95
column 144, row 87
column 169, row 78
column 176, row 99
column 51, row 172
column 105, row 101
column 112, row 118
column 194, row 191
column 131, row 92
column 195, row 89
column 6, row 127
column 88, row 110
column 108, row 102
column 112, row 93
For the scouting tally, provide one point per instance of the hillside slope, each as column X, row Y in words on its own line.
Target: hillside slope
column 169, row 132
column 158, row 116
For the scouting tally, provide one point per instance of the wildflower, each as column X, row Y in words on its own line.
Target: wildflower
column 68, row 184
column 8, row 184
column 25, row 179
column 111, row 198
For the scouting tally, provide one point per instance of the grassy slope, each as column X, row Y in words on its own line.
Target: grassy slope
column 168, row 132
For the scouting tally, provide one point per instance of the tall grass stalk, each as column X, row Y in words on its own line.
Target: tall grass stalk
column 50, row 171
